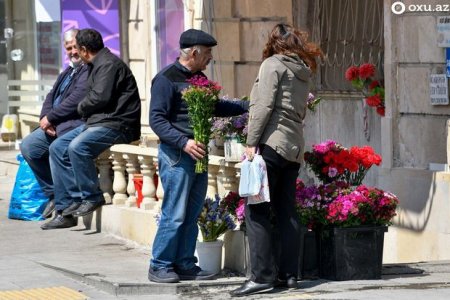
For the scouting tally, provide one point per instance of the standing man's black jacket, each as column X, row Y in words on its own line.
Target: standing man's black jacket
column 112, row 99
column 65, row 116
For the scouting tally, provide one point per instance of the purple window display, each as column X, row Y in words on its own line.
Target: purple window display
column 170, row 25
column 101, row 15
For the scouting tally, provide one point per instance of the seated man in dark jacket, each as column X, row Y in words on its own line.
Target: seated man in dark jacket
column 112, row 110
column 58, row 116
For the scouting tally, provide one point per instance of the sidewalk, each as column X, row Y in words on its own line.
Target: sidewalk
column 117, row 269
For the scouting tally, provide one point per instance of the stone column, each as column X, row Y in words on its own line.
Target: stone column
column 159, row 189
column 119, row 183
column 105, row 178
column 132, row 167
column 226, row 180
column 213, row 170
column 148, row 186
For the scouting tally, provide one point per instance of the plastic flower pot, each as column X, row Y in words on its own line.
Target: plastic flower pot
column 209, row 256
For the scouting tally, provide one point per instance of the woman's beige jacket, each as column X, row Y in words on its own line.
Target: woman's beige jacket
column 278, row 106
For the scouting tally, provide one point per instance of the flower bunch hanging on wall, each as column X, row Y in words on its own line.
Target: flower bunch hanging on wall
column 363, row 79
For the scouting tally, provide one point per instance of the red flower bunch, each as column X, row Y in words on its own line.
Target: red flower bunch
column 235, row 206
column 330, row 162
column 362, row 79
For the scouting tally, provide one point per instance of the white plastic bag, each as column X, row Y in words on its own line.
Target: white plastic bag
column 254, row 182
column 250, row 181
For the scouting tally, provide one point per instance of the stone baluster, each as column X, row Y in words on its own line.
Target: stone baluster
column 159, row 189
column 148, row 185
column 226, row 180
column 213, row 170
column 132, row 167
column 119, row 183
column 105, row 178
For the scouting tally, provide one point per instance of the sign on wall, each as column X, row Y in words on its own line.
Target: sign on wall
column 447, row 57
column 443, row 30
column 438, row 89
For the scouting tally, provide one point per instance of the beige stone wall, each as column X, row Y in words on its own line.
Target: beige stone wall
column 135, row 30
column 421, row 231
column 241, row 28
column 414, row 134
column 420, row 138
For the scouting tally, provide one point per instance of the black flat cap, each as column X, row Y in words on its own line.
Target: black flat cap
column 192, row 37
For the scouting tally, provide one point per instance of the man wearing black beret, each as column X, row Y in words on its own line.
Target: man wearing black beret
column 193, row 37
column 184, row 190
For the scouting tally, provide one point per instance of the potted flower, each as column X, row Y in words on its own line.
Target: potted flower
column 350, row 218
column 233, row 132
column 351, row 245
column 213, row 222
column 235, row 206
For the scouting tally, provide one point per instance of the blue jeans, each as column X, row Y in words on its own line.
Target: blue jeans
column 184, row 195
column 72, row 156
column 34, row 148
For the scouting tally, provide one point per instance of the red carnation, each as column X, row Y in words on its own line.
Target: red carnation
column 374, row 84
column 373, row 100
column 352, row 73
column 380, row 110
column 366, row 71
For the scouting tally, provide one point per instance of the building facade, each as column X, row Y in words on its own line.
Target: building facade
column 412, row 137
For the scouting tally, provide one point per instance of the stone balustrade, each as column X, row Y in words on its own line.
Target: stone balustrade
column 120, row 163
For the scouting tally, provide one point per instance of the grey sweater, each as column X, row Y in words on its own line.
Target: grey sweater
column 278, row 106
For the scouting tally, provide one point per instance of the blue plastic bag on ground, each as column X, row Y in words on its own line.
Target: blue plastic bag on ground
column 27, row 199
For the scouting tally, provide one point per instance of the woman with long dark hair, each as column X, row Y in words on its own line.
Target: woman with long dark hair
column 277, row 109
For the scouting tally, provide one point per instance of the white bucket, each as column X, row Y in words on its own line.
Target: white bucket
column 209, row 256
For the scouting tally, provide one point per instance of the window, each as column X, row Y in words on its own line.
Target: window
column 169, row 26
column 350, row 32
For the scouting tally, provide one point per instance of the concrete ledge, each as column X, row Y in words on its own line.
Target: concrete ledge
column 392, row 279
column 130, row 223
column 118, row 288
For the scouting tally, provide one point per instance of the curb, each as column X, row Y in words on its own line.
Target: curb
column 118, row 288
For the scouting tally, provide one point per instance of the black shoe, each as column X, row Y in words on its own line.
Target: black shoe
column 195, row 273
column 250, row 287
column 164, row 275
column 87, row 208
column 71, row 209
column 49, row 208
column 290, row 282
column 60, row 222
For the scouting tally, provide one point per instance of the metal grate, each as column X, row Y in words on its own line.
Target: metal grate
column 350, row 32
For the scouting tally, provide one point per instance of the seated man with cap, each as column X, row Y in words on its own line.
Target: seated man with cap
column 184, row 190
